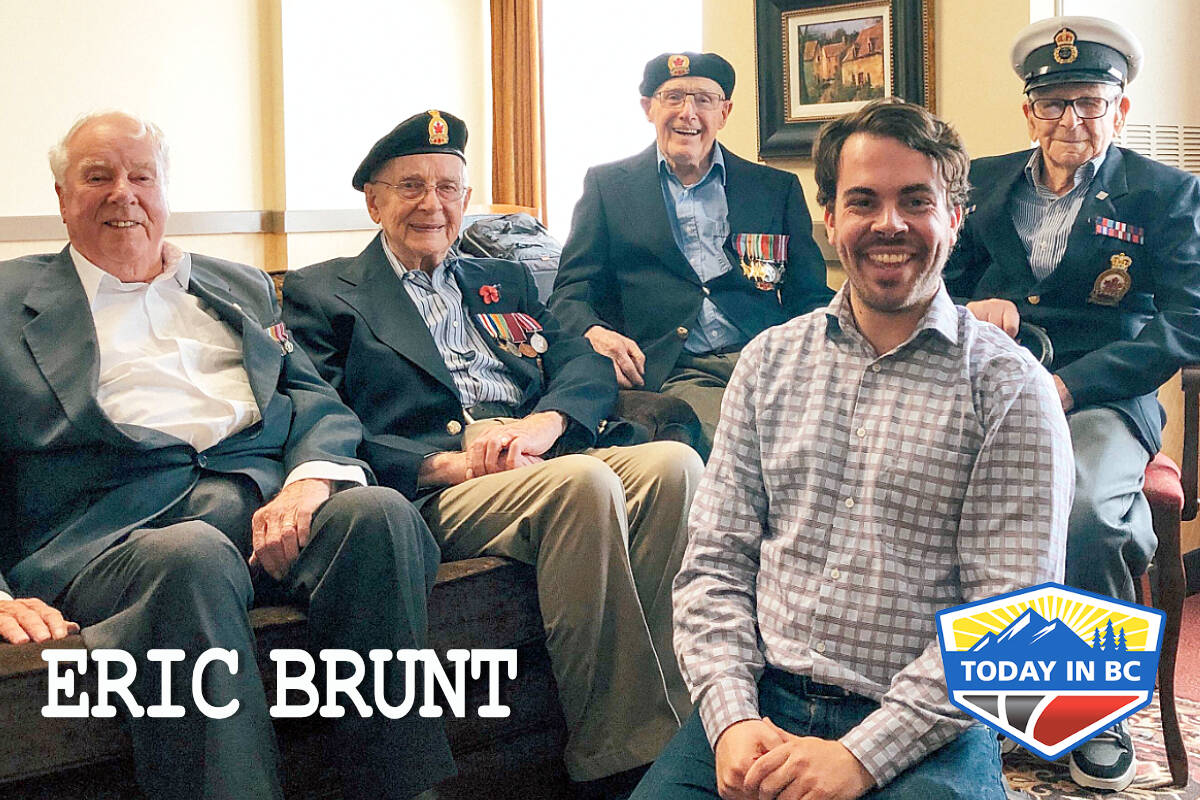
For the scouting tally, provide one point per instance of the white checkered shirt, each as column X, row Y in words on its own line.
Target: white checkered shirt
column 851, row 496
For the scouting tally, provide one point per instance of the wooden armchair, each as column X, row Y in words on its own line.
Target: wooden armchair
column 1172, row 494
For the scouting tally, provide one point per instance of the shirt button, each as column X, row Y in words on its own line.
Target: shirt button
column 681, row 332
column 455, row 323
column 835, row 573
column 1034, row 299
column 820, row 648
column 875, row 368
column 706, row 290
column 201, row 460
column 849, row 502
column 454, row 427
column 861, row 432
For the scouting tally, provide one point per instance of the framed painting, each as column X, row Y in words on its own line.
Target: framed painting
column 818, row 60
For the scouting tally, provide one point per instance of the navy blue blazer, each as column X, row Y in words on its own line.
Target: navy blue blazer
column 74, row 481
column 621, row 268
column 1113, row 356
column 368, row 339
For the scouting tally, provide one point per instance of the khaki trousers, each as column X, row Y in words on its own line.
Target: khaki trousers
column 700, row 382
column 606, row 531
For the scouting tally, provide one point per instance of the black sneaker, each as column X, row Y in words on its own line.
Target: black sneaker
column 1106, row 761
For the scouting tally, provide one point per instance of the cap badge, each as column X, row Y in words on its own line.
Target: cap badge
column 678, row 65
column 1113, row 284
column 439, row 131
column 1065, row 51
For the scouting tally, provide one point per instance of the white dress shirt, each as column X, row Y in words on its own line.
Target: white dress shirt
column 170, row 364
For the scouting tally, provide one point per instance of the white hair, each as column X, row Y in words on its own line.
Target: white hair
column 60, row 156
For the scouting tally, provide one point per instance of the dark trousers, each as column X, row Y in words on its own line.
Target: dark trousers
column 365, row 576
column 967, row 768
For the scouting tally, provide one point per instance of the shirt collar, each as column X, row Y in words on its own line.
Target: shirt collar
column 715, row 169
column 177, row 268
column 941, row 316
column 439, row 272
column 1084, row 174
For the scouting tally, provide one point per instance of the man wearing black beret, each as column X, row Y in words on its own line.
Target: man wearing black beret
column 680, row 255
column 492, row 419
column 1100, row 247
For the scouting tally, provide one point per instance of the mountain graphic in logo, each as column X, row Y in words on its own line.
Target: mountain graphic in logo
column 1020, row 664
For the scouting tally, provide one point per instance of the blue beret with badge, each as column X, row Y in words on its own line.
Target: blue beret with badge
column 1076, row 50
column 430, row 131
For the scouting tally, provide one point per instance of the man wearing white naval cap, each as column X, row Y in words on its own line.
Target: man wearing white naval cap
column 1100, row 247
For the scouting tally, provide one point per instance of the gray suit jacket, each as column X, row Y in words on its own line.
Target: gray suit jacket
column 73, row 481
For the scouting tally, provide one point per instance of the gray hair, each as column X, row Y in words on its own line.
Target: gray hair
column 60, row 156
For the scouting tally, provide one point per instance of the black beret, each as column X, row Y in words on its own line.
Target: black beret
column 430, row 131
column 665, row 66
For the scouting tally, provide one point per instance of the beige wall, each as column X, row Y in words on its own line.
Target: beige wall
column 268, row 105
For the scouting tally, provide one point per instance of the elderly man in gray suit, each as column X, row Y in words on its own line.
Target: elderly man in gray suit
column 165, row 450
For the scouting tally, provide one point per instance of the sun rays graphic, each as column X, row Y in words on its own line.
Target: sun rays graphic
column 1084, row 618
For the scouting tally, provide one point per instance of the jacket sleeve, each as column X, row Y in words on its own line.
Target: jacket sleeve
column 579, row 381
column 585, row 293
column 966, row 264
column 805, row 286
column 1172, row 337
column 322, row 427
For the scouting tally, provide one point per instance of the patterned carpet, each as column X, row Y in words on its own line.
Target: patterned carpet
column 1031, row 777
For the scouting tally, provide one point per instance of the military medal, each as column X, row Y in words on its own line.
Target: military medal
column 280, row 334
column 1119, row 230
column 516, row 333
column 764, row 258
column 1065, row 51
column 439, row 131
column 1113, row 283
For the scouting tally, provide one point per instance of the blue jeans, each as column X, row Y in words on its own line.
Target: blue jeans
column 966, row 768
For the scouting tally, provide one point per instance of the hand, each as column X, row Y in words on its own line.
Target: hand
column 1001, row 313
column 1064, row 394
column 452, row 468
column 737, row 748
column 515, row 444
column 282, row 527
column 628, row 360
column 27, row 619
column 806, row 768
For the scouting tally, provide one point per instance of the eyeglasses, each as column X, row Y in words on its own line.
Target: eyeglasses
column 704, row 101
column 1084, row 107
column 416, row 190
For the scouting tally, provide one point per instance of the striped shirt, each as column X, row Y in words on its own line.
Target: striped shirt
column 851, row 496
column 478, row 374
column 1043, row 219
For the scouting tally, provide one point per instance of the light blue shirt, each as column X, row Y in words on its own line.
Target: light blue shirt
column 478, row 374
column 699, row 218
column 1043, row 219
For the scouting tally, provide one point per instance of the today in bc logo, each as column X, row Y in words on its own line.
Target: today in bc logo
column 1050, row 667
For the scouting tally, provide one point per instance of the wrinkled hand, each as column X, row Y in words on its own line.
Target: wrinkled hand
column 628, row 360
column 451, row 469
column 1001, row 313
column 806, row 768
column 27, row 619
column 1064, row 394
column 282, row 527
column 737, row 748
column 514, row 444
